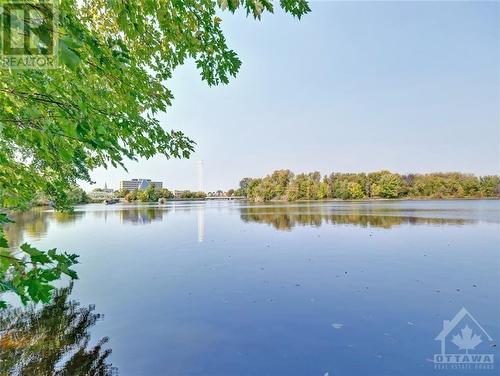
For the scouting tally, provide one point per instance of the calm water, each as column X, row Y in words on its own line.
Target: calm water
column 228, row 288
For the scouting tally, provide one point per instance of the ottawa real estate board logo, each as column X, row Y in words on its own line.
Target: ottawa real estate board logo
column 465, row 345
column 28, row 34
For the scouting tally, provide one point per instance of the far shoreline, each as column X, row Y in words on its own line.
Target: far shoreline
column 388, row 199
column 309, row 201
column 337, row 200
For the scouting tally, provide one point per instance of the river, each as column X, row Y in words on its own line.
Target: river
column 309, row 288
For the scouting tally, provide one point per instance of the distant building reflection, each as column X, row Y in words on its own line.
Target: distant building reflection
column 146, row 215
column 186, row 206
column 201, row 223
column 142, row 215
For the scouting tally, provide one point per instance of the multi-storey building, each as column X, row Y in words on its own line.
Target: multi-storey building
column 139, row 184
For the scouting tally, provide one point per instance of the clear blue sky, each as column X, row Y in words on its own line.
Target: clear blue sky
column 354, row 86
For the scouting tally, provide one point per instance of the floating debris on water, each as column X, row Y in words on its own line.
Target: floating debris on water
column 337, row 325
column 410, row 323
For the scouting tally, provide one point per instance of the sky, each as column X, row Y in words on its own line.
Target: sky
column 352, row 87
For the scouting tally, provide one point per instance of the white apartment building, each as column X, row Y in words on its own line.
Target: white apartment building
column 139, row 184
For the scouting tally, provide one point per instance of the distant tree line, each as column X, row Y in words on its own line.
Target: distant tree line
column 74, row 195
column 144, row 195
column 285, row 185
column 152, row 194
column 192, row 195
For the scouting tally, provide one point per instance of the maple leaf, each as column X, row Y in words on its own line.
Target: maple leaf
column 466, row 341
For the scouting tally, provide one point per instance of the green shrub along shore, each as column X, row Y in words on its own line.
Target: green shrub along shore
column 284, row 185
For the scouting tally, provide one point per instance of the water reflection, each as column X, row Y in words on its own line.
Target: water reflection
column 201, row 223
column 144, row 215
column 35, row 224
column 286, row 218
column 248, row 300
column 52, row 340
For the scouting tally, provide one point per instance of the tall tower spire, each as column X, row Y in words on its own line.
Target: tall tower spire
column 200, row 176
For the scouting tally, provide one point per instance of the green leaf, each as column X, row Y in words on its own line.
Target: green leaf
column 6, row 286
column 3, row 242
column 31, row 251
column 68, row 56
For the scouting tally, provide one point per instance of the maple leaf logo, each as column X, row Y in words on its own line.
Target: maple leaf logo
column 466, row 341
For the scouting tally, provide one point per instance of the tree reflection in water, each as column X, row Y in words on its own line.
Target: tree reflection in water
column 35, row 223
column 286, row 218
column 52, row 340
